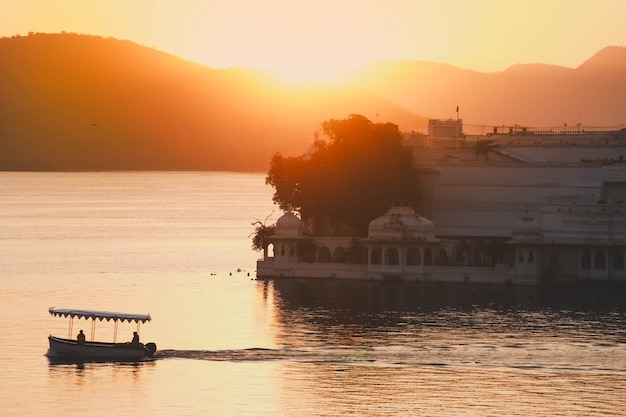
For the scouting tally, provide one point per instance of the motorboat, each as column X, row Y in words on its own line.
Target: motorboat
column 81, row 349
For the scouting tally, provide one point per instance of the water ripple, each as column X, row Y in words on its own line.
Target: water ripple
column 601, row 357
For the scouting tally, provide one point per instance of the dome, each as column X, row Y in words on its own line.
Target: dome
column 527, row 229
column 401, row 222
column 289, row 225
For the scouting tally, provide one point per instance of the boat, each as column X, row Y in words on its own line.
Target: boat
column 81, row 349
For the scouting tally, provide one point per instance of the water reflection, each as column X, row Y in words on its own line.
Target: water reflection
column 379, row 296
column 99, row 379
column 317, row 313
column 446, row 350
column 81, row 387
column 58, row 367
column 81, row 363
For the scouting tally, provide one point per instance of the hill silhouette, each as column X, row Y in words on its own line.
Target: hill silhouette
column 534, row 95
column 79, row 102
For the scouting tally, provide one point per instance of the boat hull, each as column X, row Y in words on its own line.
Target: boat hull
column 71, row 349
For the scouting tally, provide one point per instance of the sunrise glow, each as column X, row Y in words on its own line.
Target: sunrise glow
column 324, row 38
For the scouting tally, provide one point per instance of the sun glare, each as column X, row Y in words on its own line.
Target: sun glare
column 323, row 39
column 320, row 59
column 313, row 71
column 290, row 61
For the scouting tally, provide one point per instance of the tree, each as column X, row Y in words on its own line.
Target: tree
column 261, row 234
column 350, row 178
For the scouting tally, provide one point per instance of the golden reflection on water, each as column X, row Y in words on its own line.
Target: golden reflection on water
column 214, row 388
column 438, row 391
column 82, row 387
column 166, row 387
column 220, row 315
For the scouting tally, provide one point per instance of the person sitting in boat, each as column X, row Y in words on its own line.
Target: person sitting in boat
column 135, row 341
column 80, row 338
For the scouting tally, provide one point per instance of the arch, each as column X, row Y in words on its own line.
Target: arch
column 442, row 257
column 531, row 257
column 271, row 250
column 375, row 255
column 323, row 254
column 339, row 254
column 599, row 260
column 306, row 250
column 428, row 256
column 392, row 256
column 413, row 256
column 458, row 256
column 282, row 250
column 618, row 260
column 585, row 259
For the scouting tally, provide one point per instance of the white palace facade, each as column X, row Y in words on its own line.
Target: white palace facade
column 515, row 206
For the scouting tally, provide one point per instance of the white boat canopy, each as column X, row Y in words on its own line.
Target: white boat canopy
column 100, row 315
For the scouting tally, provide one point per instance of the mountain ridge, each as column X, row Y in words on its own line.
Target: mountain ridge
column 533, row 95
column 82, row 102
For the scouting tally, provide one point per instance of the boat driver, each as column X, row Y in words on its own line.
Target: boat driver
column 81, row 338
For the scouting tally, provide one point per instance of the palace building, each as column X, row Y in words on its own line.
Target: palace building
column 517, row 206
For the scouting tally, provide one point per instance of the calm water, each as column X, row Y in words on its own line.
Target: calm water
column 176, row 245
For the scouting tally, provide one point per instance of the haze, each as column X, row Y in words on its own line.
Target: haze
column 323, row 38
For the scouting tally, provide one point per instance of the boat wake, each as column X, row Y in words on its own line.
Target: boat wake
column 262, row 354
column 606, row 357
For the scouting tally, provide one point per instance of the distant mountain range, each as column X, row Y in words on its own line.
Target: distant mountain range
column 533, row 95
column 79, row 102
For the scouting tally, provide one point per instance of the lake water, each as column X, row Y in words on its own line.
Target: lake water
column 177, row 246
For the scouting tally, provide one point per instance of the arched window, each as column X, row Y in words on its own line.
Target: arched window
column 413, row 256
column 442, row 257
column 520, row 256
column 585, row 260
column 324, row 254
column 270, row 250
column 618, row 260
column 282, row 250
column 375, row 256
column 391, row 256
column 531, row 257
column 428, row 257
column 339, row 255
column 599, row 260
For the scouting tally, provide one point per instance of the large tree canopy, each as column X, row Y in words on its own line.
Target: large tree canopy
column 350, row 178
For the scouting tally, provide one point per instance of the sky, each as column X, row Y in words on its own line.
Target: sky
column 323, row 38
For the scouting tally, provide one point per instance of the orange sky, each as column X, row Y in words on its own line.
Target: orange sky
column 323, row 37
